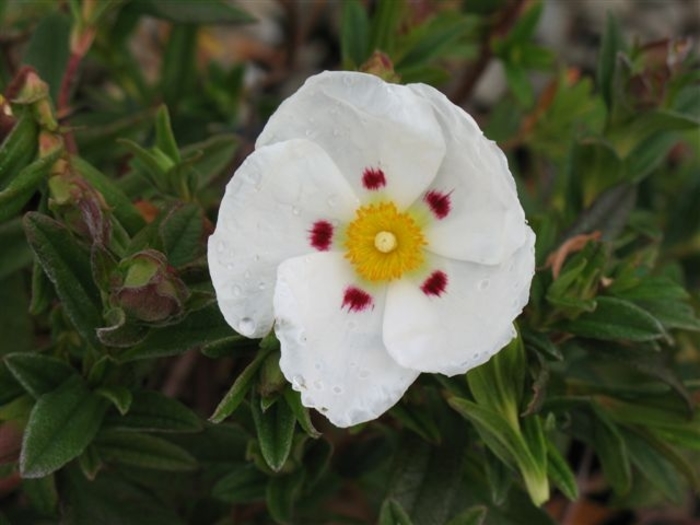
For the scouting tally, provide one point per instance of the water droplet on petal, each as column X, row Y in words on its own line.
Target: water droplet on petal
column 308, row 132
column 220, row 246
column 262, row 285
column 236, row 290
column 246, row 274
column 318, row 385
column 298, row 382
column 246, row 327
column 256, row 257
column 483, row 284
column 363, row 374
column 295, row 210
column 332, row 200
column 336, row 132
column 318, row 366
column 337, row 390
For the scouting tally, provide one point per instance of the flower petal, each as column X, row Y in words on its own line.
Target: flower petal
column 365, row 124
column 271, row 211
column 332, row 350
column 468, row 321
column 487, row 222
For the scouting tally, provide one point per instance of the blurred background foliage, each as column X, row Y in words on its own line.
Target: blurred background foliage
column 126, row 399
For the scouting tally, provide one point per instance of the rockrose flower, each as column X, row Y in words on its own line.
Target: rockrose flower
column 380, row 234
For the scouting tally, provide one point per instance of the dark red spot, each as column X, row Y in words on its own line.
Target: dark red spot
column 436, row 284
column 356, row 300
column 439, row 203
column 373, row 178
column 320, row 235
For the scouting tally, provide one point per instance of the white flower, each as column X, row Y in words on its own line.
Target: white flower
column 380, row 233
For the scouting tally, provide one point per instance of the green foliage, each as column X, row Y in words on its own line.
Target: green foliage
column 125, row 397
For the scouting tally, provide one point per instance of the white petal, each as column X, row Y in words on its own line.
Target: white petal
column 486, row 222
column 333, row 356
column 465, row 325
column 267, row 211
column 363, row 122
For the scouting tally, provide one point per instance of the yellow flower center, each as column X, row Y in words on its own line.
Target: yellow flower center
column 383, row 244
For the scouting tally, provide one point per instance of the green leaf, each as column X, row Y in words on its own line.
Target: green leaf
column 417, row 419
column 508, row 444
column 648, row 155
column 611, row 45
column 48, row 49
column 437, row 38
column 10, row 388
column 118, row 395
column 142, row 450
column 392, row 513
column 42, row 494
column 61, row 425
column 293, row 399
column 211, row 157
column 425, row 479
column 281, row 493
column 16, row 327
column 275, row 430
column 200, row 328
column 67, row 264
column 182, row 232
column 188, row 12
column 560, row 472
column 120, row 205
column 39, row 374
column 519, row 84
column 15, row 250
column 239, row 389
column 498, row 384
column 165, row 140
column 384, row 24
column 243, row 485
column 615, row 319
column 178, row 71
column 354, row 34
column 151, row 411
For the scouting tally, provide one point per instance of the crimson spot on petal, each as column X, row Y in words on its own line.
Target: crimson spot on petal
column 356, row 300
column 439, row 203
column 373, row 178
column 436, row 284
column 320, row 235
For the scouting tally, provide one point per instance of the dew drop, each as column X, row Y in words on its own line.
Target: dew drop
column 236, row 290
column 332, row 201
column 246, row 326
column 220, row 246
column 262, row 285
column 318, row 385
column 295, row 210
column 337, row 390
column 308, row 132
column 336, row 132
column 246, row 274
column 352, row 364
column 256, row 257
column 318, row 366
column 364, row 374
column 483, row 284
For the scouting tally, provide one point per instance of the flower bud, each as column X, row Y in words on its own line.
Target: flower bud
column 150, row 290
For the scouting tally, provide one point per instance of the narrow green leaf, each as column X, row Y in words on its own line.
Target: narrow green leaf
column 211, row 157
column 16, row 253
column 142, row 450
column 188, row 12
column 560, row 472
column 611, row 45
column 243, row 485
column 519, row 84
column 178, row 71
column 61, row 425
column 67, row 264
column 39, row 374
column 436, row 40
column 615, row 319
column 165, row 139
column 182, row 232
column 118, row 395
column 120, row 205
column 42, row 494
column 281, row 493
column 48, row 49
column 392, row 513
column 151, row 411
column 200, row 328
column 354, row 34
column 384, row 24
column 238, row 389
column 275, row 430
column 293, row 399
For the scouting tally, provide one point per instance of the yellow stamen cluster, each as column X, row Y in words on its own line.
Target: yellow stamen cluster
column 382, row 243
